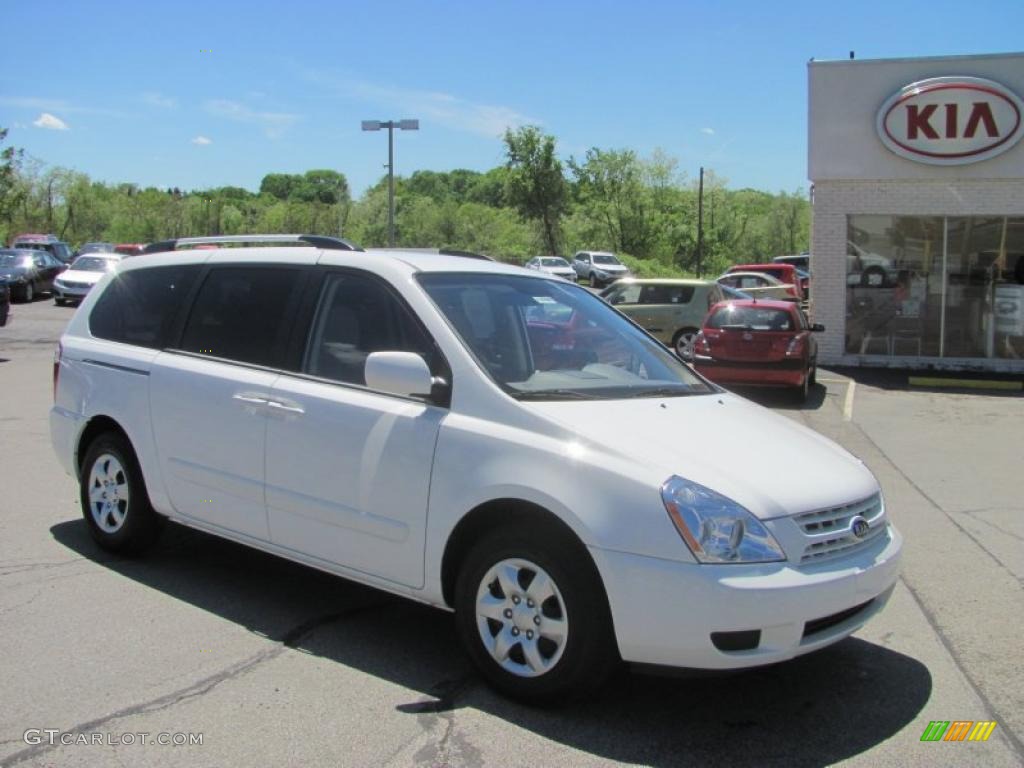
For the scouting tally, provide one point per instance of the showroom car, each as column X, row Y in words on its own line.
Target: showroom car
column 575, row 509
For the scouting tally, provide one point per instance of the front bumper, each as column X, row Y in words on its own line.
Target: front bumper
column 666, row 611
column 74, row 291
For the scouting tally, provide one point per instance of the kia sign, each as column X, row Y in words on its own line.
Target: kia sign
column 951, row 120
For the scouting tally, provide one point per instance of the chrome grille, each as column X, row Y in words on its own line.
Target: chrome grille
column 828, row 530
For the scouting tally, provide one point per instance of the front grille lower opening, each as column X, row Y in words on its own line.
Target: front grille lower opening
column 827, row 622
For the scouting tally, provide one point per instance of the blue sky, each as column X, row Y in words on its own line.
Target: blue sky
column 206, row 94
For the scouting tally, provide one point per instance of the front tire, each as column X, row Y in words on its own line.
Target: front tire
column 114, row 500
column 532, row 614
column 593, row 281
column 28, row 294
column 59, row 302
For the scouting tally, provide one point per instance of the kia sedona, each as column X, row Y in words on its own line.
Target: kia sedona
column 475, row 436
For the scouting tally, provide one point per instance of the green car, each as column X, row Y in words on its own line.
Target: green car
column 670, row 310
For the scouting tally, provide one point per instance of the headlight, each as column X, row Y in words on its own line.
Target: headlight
column 715, row 528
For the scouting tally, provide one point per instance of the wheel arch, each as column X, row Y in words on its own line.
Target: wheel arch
column 498, row 512
column 95, row 427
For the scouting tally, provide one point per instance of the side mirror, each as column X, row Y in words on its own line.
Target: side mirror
column 817, row 328
column 398, row 373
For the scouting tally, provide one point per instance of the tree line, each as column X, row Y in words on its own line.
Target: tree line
column 643, row 208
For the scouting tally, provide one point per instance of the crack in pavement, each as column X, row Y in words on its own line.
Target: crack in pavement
column 289, row 640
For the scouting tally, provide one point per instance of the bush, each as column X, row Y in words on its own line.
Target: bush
column 650, row 267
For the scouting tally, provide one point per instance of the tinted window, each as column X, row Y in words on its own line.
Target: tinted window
column 666, row 294
column 356, row 316
column 751, row 318
column 604, row 258
column 138, row 307
column 625, row 294
column 240, row 314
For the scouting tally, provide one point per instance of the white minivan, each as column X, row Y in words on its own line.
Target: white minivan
column 475, row 436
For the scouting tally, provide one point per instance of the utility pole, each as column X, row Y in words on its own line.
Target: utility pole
column 402, row 125
column 700, row 222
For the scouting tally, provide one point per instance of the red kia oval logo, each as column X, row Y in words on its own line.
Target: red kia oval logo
column 951, row 120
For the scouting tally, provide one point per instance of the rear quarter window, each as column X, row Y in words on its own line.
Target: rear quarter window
column 139, row 307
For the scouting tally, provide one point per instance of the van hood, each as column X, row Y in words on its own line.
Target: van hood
column 768, row 463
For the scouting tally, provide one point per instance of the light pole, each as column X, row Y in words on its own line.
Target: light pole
column 402, row 125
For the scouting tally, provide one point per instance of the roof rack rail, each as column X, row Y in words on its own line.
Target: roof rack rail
column 464, row 254
column 317, row 241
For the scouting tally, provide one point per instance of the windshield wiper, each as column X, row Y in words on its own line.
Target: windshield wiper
column 663, row 392
column 552, row 394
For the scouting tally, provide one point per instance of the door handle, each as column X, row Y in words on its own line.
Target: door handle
column 293, row 408
column 249, row 399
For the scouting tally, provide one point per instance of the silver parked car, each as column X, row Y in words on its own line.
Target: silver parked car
column 599, row 268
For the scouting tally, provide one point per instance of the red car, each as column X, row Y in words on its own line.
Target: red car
column 784, row 272
column 758, row 343
column 129, row 249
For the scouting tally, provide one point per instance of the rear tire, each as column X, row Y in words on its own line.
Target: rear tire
column 114, row 500
column 532, row 614
column 804, row 390
column 682, row 343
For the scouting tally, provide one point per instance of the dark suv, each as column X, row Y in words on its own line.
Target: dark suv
column 50, row 243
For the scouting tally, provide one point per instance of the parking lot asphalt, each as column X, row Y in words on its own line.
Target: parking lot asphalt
column 277, row 664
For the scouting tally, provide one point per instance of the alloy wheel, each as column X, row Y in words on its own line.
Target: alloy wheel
column 109, row 493
column 521, row 617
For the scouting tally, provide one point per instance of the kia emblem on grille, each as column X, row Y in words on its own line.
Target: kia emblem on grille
column 859, row 527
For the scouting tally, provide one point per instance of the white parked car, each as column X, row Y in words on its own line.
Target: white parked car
column 472, row 436
column 77, row 280
column 552, row 265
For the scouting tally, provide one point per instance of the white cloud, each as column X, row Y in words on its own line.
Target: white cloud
column 274, row 123
column 54, row 105
column 489, row 120
column 708, row 131
column 157, row 99
column 46, row 120
column 202, row 141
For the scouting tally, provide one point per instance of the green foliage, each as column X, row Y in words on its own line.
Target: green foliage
column 535, row 185
column 612, row 200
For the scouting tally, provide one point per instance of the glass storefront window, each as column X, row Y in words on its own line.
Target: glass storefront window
column 932, row 286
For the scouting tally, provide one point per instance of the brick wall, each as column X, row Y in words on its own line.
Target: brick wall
column 835, row 200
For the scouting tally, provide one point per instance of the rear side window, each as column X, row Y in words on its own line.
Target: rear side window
column 666, row 294
column 139, row 307
column 240, row 313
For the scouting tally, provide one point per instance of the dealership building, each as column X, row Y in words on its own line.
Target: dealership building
column 917, row 173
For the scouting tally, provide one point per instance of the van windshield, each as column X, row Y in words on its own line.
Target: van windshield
column 540, row 339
